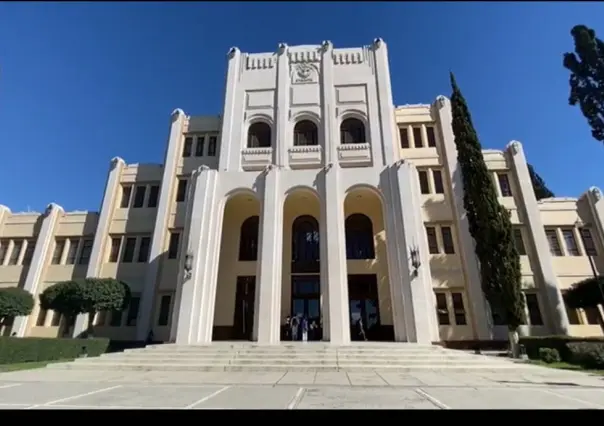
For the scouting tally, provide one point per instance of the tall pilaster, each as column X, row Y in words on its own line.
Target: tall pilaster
column 44, row 242
column 230, row 140
column 267, row 309
column 196, row 295
column 164, row 207
column 282, row 107
column 108, row 205
column 481, row 320
column 596, row 207
column 334, row 285
column 527, row 201
column 328, row 107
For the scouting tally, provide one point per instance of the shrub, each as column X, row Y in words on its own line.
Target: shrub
column 15, row 302
column 532, row 345
column 587, row 354
column 31, row 349
column 549, row 355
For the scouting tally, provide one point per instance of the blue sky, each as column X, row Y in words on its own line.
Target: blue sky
column 81, row 83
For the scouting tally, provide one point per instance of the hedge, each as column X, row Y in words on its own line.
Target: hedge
column 30, row 349
column 563, row 344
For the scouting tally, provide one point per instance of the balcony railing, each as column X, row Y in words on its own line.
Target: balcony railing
column 354, row 154
column 256, row 158
column 304, row 156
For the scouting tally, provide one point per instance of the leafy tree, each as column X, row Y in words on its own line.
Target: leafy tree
column 489, row 224
column 14, row 302
column 588, row 293
column 586, row 66
column 541, row 190
column 90, row 295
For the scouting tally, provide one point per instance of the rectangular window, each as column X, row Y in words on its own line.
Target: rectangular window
column 101, row 319
column 404, row 137
column 143, row 251
column 504, row 184
column 73, row 251
column 438, row 182
column 126, row 193
column 57, row 254
column 181, row 190
column 212, row 146
column 532, row 304
column 431, row 136
column 588, row 243
column 447, row 240
column 519, row 242
column 116, row 319
column 458, row 309
column 571, row 242
column 423, row 182
column 41, row 318
column 173, row 247
column 164, row 311
column 187, row 147
column 442, row 310
column 29, row 252
column 199, row 146
column 417, row 137
column 139, row 196
column 554, row 243
column 153, row 196
column 573, row 314
column 86, row 252
column 114, row 254
column 56, row 319
column 593, row 315
column 432, row 241
column 133, row 311
column 129, row 250
column 3, row 250
column 14, row 255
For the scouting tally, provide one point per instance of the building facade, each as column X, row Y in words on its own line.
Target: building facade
column 312, row 194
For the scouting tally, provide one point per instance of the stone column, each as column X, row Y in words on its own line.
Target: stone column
column 596, row 207
column 44, row 242
column 108, row 205
column 328, row 110
column 334, row 282
column 481, row 320
column 527, row 202
column 196, row 295
column 267, row 309
column 282, row 141
column 178, row 123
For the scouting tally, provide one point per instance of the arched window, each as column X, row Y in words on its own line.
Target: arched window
column 352, row 130
column 248, row 242
column 259, row 136
column 359, row 237
column 305, row 244
column 306, row 133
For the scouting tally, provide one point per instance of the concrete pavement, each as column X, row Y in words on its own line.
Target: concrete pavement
column 537, row 387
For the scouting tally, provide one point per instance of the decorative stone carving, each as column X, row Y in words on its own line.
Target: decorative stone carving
column 232, row 51
column 282, row 47
column 176, row 114
column 115, row 161
column 515, row 147
column 440, row 101
column 377, row 42
column 49, row 208
column 595, row 191
column 326, row 45
column 304, row 73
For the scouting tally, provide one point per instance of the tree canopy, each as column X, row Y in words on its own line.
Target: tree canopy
column 586, row 66
column 15, row 302
column 488, row 220
column 539, row 187
column 586, row 294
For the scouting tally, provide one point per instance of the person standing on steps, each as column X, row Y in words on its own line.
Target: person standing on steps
column 294, row 327
column 361, row 329
column 287, row 327
column 304, row 325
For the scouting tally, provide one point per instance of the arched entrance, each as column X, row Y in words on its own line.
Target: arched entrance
column 236, row 288
column 301, row 269
column 369, row 298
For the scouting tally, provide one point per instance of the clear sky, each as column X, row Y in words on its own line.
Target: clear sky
column 81, row 83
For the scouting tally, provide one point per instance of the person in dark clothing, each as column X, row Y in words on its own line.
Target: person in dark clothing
column 361, row 329
column 288, row 326
column 294, row 327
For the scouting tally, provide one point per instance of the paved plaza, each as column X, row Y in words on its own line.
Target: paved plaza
column 537, row 387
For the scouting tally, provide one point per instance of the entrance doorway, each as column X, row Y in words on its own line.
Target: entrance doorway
column 306, row 302
column 364, row 305
column 243, row 321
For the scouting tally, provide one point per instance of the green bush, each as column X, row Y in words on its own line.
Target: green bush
column 549, row 355
column 30, row 349
column 533, row 344
column 587, row 354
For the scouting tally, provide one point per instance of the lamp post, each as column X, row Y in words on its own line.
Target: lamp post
column 188, row 267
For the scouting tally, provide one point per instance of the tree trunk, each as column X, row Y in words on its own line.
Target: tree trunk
column 514, row 343
column 89, row 330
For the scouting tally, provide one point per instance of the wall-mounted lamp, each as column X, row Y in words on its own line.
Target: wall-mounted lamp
column 415, row 262
column 188, row 265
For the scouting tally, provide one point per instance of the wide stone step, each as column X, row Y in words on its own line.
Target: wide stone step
column 295, row 351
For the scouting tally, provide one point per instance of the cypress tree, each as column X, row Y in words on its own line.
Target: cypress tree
column 541, row 190
column 489, row 223
column 586, row 66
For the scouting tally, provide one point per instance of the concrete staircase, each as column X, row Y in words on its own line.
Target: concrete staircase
column 311, row 356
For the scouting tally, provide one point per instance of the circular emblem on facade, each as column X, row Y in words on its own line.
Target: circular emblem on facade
column 304, row 72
